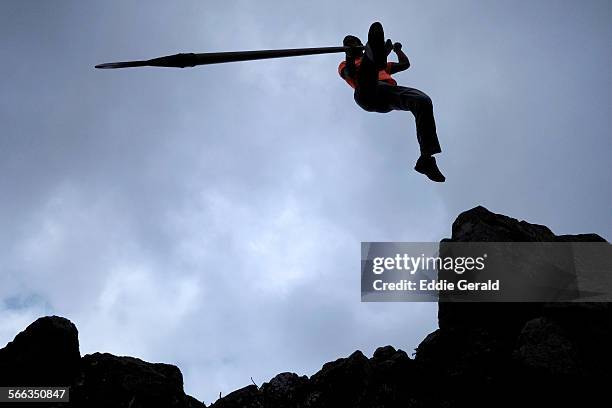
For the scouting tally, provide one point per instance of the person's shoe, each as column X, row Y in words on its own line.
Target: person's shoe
column 375, row 47
column 427, row 165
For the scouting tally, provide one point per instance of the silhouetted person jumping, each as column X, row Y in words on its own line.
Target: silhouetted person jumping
column 369, row 74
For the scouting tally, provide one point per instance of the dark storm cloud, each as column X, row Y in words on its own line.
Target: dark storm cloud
column 212, row 216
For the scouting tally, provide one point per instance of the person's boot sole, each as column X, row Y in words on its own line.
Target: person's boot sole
column 376, row 42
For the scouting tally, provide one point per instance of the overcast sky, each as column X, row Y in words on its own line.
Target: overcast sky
column 212, row 217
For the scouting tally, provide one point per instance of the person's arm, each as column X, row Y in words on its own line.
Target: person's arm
column 349, row 69
column 403, row 62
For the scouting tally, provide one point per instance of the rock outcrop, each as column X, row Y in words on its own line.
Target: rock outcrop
column 47, row 353
column 110, row 381
column 497, row 354
column 516, row 354
column 385, row 380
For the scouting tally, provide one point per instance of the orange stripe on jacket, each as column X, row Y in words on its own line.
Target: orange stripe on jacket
column 383, row 74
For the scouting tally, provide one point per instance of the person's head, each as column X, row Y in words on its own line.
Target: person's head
column 352, row 41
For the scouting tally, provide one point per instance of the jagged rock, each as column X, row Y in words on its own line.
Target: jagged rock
column 285, row 390
column 247, row 397
column 452, row 361
column 385, row 380
column 46, row 352
column 342, row 381
column 191, row 402
column 462, row 353
column 112, row 381
column 482, row 225
column 531, row 347
column 544, row 345
column 384, row 353
column 395, row 379
column 498, row 354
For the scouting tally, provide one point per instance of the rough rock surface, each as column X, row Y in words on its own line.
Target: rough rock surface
column 523, row 353
column 111, row 381
column 499, row 354
column 385, row 380
column 47, row 353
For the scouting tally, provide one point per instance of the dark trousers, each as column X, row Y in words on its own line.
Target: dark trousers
column 377, row 96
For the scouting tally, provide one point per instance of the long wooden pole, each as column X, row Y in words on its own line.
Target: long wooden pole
column 192, row 60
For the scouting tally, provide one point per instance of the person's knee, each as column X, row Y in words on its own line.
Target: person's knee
column 424, row 104
column 425, row 101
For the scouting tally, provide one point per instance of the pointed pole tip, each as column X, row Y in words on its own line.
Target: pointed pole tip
column 105, row 66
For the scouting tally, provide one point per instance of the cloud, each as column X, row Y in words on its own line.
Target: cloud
column 211, row 217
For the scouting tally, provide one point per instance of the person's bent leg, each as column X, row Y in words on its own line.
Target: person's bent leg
column 421, row 106
column 426, row 126
column 417, row 102
column 375, row 49
column 367, row 84
column 366, row 94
